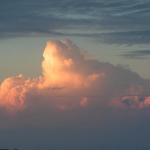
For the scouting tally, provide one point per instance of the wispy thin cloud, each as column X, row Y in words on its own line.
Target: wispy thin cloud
column 137, row 54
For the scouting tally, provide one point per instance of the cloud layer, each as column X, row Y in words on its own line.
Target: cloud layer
column 70, row 81
column 115, row 21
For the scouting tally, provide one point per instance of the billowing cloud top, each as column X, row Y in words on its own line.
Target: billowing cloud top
column 71, row 80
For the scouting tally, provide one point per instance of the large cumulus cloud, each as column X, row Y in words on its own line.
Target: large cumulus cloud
column 70, row 80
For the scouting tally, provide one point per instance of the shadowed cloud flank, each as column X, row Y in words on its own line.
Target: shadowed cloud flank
column 115, row 21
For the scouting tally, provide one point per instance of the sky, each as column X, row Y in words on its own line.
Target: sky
column 75, row 74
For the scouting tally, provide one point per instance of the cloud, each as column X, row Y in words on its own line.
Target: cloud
column 121, row 22
column 71, row 81
column 139, row 54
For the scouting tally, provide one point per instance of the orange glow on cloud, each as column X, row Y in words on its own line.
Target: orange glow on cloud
column 58, row 68
column 12, row 92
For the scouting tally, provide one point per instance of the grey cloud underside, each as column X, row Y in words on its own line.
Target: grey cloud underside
column 123, row 22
